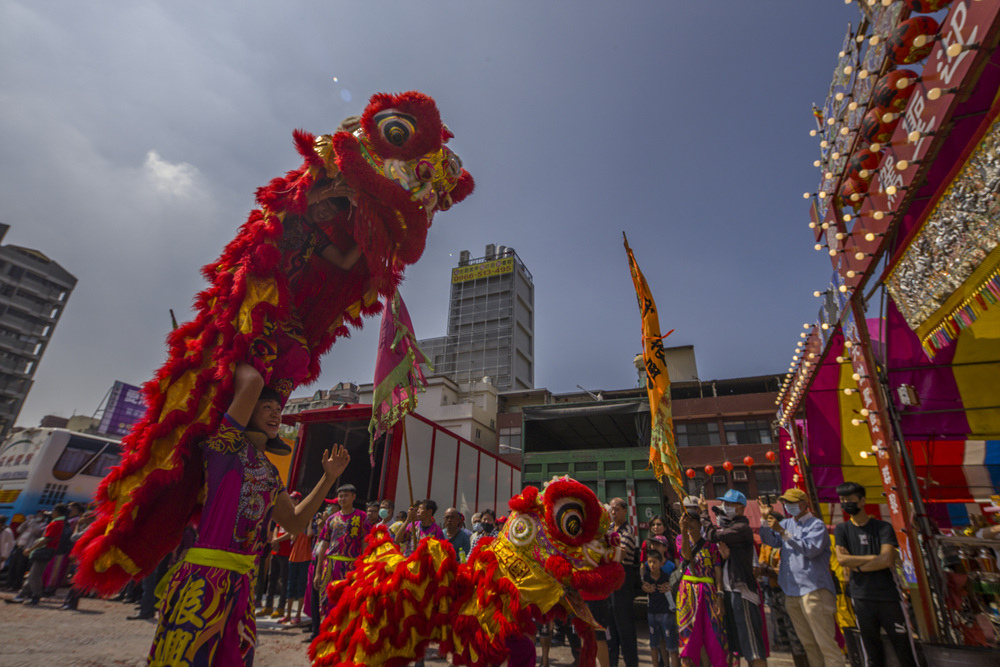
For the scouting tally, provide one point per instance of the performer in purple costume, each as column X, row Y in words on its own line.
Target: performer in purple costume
column 206, row 615
column 341, row 540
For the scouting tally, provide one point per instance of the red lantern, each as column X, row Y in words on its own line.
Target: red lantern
column 927, row 6
column 728, row 465
column 771, row 456
column 709, row 470
column 893, row 90
column 862, row 166
column 853, row 191
column 748, row 460
column 901, row 48
column 875, row 129
column 690, row 472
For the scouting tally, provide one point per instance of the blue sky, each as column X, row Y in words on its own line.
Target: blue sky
column 134, row 135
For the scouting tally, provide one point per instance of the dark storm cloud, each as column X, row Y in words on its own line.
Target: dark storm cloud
column 134, row 135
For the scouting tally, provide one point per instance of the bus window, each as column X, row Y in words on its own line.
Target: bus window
column 86, row 456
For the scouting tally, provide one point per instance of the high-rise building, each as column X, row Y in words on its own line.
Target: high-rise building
column 491, row 318
column 33, row 293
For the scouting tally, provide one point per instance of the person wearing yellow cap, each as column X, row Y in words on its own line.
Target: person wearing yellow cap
column 804, row 575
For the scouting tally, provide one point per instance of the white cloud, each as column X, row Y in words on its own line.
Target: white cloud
column 173, row 179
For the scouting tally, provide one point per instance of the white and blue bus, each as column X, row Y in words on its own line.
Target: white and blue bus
column 41, row 467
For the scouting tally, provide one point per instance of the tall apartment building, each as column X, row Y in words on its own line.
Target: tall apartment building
column 33, row 293
column 491, row 320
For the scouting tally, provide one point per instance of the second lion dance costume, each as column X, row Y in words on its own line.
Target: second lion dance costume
column 554, row 552
column 277, row 303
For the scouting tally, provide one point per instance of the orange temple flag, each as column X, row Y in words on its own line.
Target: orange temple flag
column 662, row 445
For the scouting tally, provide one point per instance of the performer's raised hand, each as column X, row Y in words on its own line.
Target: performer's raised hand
column 335, row 461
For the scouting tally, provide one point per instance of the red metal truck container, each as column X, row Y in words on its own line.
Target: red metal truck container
column 418, row 459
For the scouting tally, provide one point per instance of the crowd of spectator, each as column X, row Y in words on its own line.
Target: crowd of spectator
column 706, row 583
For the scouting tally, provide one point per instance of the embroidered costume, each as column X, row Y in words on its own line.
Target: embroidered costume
column 700, row 612
column 345, row 534
column 206, row 614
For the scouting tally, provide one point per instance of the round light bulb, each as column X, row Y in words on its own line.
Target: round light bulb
column 848, row 344
column 840, row 360
column 865, row 412
column 853, row 106
column 817, row 293
column 874, row 40
column 856, row 422
column 835, row 155
column 848, row 70
column 812, row 355
column 840, row 236
column 953, row 52
column 830, row 121
column 825, row 225
column 847, row 217
column 843, row 289
column 824, row 144
column 863, row 455
column 875, row 148
column 891, row 190
column 805, row 195
column 828, row 175
column 812, row 133
column 888, row 117
column 822, row 195
column 851, row 273
column 824, row 327
column 913, row 137
column 905, row 82
column 818, row 246
column 921, row 40
column 832, row 252
column 902, row 165
column 817, row 163
column 812, row 225
column 848, row 391
column 859, row 256
column 878, row 215
column 856, row 377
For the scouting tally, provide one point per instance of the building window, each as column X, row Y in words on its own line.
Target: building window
column 510, row 439
column 748, row 432
column 698, row 434
column 768, row 481
column 695, row 485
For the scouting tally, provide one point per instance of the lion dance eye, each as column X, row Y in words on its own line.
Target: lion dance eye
column 397, row 128
column 569, row 517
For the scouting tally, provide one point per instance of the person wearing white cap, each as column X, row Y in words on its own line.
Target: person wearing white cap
column 804, row 575
column 740, row 590
column 701, row 624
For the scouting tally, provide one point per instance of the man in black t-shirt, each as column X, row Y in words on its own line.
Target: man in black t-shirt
column 866, row 548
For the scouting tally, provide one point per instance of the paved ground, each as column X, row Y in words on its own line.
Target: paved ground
column 98, row 635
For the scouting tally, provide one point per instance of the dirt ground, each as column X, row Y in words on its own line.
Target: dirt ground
column 98, row 635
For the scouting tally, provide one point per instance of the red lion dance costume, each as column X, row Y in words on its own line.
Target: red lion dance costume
column 277, row 303
column 554, row 551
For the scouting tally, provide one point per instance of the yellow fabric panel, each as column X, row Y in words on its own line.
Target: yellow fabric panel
column 978, row 385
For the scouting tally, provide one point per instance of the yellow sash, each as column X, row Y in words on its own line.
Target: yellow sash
column 694, row 579
column 226, row 560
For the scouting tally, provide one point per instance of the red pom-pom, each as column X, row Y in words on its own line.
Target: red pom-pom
column 709, row 470
column 748, row 460
column 690, row 473
column 728, row 465
column 770, row 456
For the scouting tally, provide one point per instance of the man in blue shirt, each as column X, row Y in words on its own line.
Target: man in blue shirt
column 804, row 575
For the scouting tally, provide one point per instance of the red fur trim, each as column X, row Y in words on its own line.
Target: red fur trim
column 463, row 188
column 427, row 136
column 559, row 568
column 600, row 582
column 588, row 648
column 526, row 501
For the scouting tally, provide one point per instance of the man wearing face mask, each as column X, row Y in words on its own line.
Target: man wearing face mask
column 487, row 528
column 739, row 584
column 804, row 575
column 867, row 547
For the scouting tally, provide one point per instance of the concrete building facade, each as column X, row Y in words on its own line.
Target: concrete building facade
column 33, row 295
column 490, row 323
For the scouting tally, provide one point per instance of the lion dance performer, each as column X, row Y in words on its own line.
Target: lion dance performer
column 553, row 553
column 327, row 240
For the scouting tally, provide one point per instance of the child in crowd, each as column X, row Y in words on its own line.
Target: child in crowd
column 662, row 613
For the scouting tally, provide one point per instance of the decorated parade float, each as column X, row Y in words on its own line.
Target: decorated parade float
column 895, row 385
